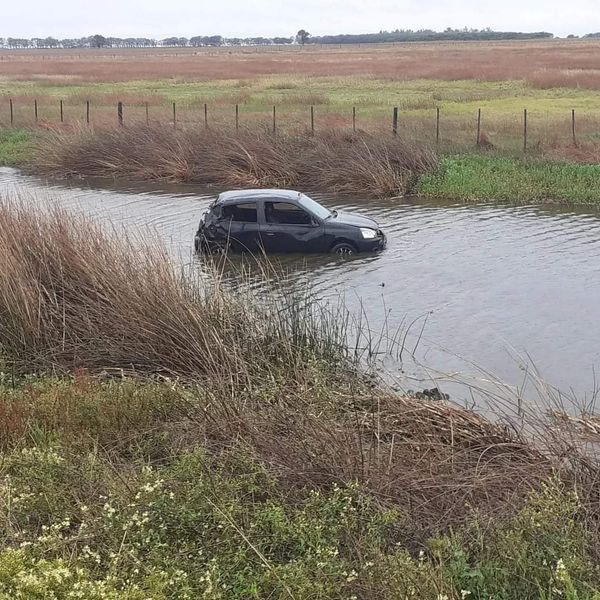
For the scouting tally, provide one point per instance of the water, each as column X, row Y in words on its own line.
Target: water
column 477, row 289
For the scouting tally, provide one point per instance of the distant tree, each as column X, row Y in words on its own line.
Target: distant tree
column 97, row 41
column 175, row 41
column 302, row 36
column 282, row 40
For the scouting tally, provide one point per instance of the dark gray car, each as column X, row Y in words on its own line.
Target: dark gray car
column 279, row 221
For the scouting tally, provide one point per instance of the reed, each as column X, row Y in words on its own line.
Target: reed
column 370, row 165
column 74, row 296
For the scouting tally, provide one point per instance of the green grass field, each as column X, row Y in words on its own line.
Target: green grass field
column 502, row 105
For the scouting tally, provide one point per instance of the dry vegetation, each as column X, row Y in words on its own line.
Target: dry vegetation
column 353, row 163
column 543, row 63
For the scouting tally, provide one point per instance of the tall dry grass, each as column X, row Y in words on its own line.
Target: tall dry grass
column 74, row 296
column 369, row 165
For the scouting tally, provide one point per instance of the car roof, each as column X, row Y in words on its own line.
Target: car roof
column 237, row 195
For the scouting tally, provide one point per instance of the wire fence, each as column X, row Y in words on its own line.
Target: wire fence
column 523, row 131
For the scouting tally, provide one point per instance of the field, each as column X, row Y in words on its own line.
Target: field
column 549, row 78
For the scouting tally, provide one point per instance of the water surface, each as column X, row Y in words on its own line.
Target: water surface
column 486, row 287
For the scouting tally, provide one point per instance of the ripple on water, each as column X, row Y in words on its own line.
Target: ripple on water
column 495, row 281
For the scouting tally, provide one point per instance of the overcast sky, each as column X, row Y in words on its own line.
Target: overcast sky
column 243, row 18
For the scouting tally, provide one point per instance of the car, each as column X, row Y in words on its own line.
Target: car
column 283, row 221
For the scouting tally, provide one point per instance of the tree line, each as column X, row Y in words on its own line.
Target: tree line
column 302, row 37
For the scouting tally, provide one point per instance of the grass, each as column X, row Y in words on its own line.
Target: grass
column 488, row 178
column 333, row 98
column 15, row 147
column 549, row 78
column 354, row 163
column 161, row 437
column 359, row 164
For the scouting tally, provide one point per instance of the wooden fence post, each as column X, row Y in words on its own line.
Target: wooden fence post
column 120, row 113
column 437, row 126
column 354, row 119
column 395, row 121
column 524, row 130
column 62, row 114
column 35, row 110
column 174, row 116
column 12, row 115
column 573, row 127
column 478, row 127
column 237, row 117
column 147, row 114
column 274, row 120
column 87, row 112
column 205, row 116
column 312, row 120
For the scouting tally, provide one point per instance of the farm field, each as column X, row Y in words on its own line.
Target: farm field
column 550, row 79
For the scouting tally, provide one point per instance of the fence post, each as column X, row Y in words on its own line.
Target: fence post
column 62, row 114
column 354, row 119
column 12, row 116
column 274, row 120
column 312, row 120
column 573, row 127
column 237, row 117
column 478, row 127
column 174, row 116
column 120, row 113
column 524, row 130
column 87, row 112
column 395, row 121
column 35, row 110
column 205, row 116
column 147, row 113
column 437, row 126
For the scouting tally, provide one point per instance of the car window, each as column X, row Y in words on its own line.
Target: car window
column 286, row 214
column 244, row 213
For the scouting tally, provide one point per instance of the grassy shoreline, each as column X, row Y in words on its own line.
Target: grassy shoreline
column 166, row 438
column 467, row 177
column 479, row 177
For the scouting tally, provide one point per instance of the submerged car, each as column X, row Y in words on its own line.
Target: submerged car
column 280, row 221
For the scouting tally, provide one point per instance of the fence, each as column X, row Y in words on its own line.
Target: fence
column 439, row 127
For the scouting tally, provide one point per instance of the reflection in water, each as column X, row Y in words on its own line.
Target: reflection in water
column 493, row 282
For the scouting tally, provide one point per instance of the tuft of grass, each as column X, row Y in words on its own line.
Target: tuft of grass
column 81, row 298
column 355, row 163
column 487, row 178
column 15, row 147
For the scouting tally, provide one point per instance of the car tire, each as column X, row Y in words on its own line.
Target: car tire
column 343, row 249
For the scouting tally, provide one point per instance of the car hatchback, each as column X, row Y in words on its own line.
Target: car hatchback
column 280, row 221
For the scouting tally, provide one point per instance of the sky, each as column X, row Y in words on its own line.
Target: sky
column 247, row 18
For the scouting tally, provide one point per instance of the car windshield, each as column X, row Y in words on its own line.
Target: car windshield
column 313, row 207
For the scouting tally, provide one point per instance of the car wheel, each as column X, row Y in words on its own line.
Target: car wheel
column 343, row 249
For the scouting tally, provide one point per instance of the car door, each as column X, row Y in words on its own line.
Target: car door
column 239, row 224
column 287, row 227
